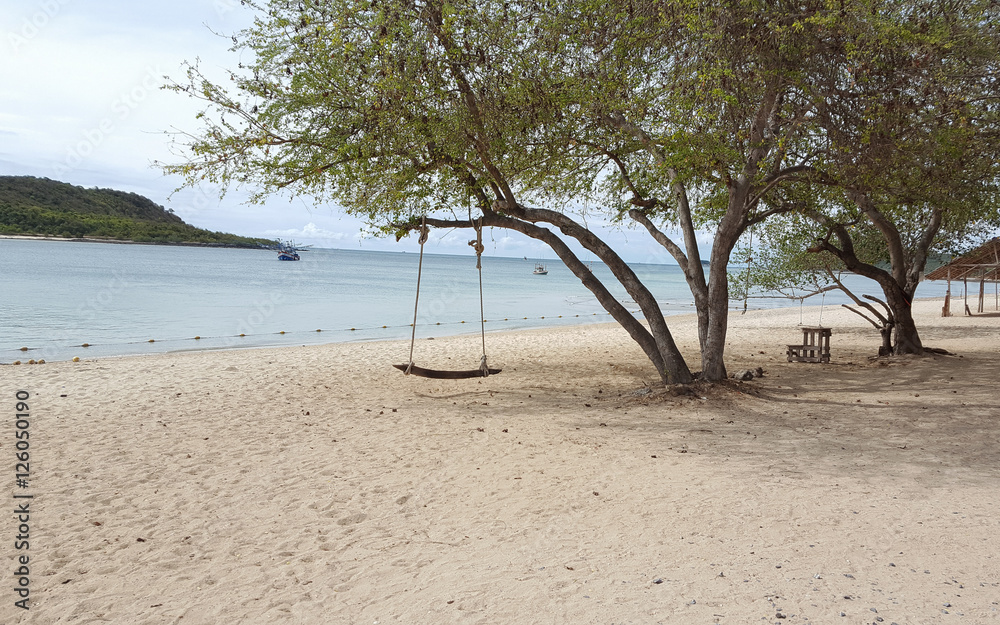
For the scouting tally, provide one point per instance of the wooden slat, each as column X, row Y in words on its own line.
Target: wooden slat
column 445, row 375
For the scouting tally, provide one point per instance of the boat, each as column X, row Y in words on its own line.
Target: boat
column 287, row 250
column 540, row 270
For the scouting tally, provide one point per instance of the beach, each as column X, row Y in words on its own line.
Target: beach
column 318, row 484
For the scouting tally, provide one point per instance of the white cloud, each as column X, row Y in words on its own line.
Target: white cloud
column 310, row 233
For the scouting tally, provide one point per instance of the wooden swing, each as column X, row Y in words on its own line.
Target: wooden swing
column 483, row 370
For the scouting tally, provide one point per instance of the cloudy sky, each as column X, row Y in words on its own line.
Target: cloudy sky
column 81, row 103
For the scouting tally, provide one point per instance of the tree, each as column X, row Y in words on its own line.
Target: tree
column 704, row 111
column 911, row 141
column 787, row 262
column 679, row 113
column 400, row 111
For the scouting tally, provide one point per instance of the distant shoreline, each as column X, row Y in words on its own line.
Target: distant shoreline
column 129, row 242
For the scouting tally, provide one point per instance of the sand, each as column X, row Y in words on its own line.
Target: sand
column 320, row 485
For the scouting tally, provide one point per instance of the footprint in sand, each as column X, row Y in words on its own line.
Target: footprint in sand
column 354, row 518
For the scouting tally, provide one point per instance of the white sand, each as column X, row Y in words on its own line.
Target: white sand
column 320, row 485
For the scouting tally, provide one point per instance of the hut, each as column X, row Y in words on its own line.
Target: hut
column 981, row 264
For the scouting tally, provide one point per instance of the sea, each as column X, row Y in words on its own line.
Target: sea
column 122, row 299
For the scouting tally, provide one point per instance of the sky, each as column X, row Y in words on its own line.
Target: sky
column 82, row 103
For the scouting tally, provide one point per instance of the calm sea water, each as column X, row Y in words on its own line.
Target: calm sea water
column 55, row 296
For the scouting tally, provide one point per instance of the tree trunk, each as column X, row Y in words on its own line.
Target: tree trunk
column 887, row 332
column 713, row 348
column 906, row 339
column 676, row 370
column 731, row 227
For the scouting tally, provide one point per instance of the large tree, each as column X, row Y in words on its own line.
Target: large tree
column 404, row 113
column 703, row 112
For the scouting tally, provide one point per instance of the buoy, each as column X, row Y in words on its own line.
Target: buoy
column 388, row 326
column 438, row 323
column 352, row 329
column 76, row 359
column 525, row 317
column 318, row 330
column 241, row 334
column 24, row 349
column 543, row 317
column 282, row 332
column 197, row 338
column 85, row 345
column 152, row 340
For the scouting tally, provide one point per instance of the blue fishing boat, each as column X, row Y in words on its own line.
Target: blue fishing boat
column 287, row 250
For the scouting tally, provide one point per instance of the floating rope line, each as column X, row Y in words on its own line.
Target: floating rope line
column 297, row 333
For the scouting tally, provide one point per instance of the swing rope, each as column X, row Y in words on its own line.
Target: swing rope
column 478, row 246
column 416, row 300
column 746, row 295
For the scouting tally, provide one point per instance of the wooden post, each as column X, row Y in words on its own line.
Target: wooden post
column 965, row 282
column 982, row 292
column 946, row 310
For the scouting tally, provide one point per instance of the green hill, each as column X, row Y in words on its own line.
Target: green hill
column 43, row 207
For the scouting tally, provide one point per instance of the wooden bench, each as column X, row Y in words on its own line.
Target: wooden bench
column 815, row 346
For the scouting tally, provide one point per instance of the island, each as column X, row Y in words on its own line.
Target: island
column 40, row 207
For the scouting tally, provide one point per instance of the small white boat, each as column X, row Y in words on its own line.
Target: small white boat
column 540, row 270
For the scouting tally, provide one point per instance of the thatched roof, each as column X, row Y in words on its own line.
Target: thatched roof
column 982, row 263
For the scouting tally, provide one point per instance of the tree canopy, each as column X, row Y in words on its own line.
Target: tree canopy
column 511, row 113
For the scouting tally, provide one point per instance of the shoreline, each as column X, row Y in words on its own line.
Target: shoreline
column 212, row 343
column 318, row 484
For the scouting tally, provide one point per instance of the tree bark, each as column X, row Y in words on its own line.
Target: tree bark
column 677, row 371
column 694, row 273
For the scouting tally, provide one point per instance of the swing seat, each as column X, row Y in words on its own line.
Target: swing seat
column 815, row 346
column 446, row 375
